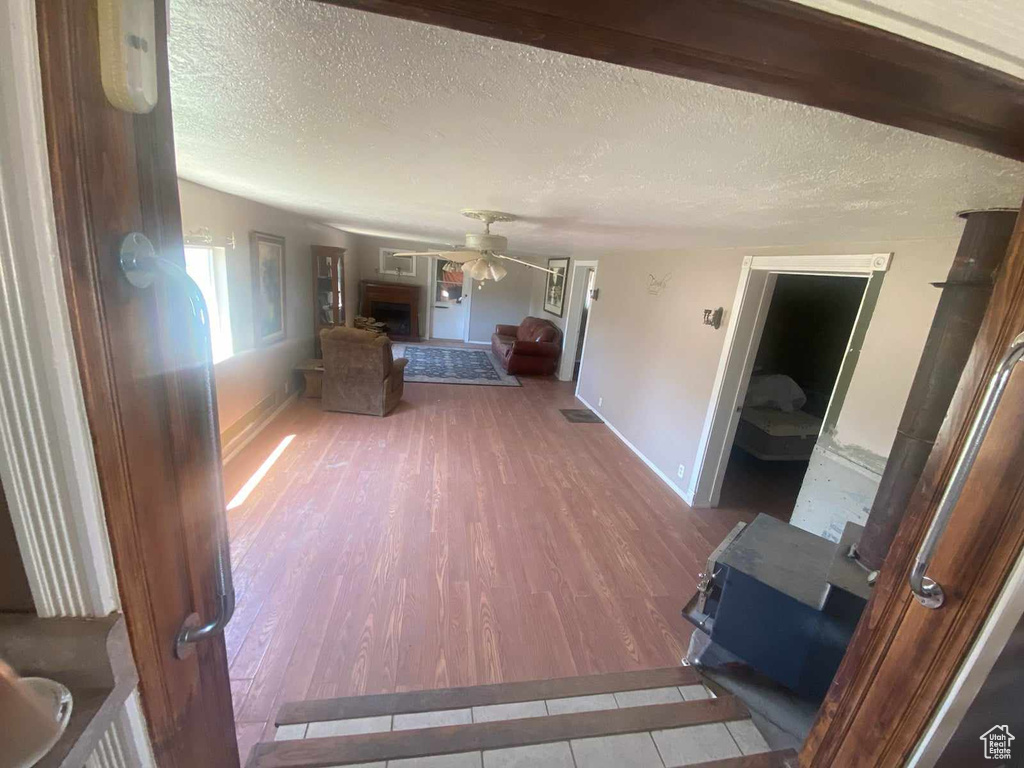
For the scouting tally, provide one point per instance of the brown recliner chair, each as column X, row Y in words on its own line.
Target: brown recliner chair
column 360, row 374
column 532, row 347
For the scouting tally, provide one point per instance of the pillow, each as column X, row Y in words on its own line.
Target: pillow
column 776, row 391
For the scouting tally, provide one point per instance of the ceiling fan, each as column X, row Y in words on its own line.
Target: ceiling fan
column 483, row 253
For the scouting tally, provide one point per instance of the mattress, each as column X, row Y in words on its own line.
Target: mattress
column 773, row 435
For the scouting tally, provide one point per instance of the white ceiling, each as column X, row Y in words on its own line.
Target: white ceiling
column 390, row 127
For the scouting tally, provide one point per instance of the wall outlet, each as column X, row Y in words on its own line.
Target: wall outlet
column 681, row 471
column 600, row 402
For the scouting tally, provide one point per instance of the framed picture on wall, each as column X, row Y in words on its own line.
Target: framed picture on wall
column 268, row 299
column 554, row 289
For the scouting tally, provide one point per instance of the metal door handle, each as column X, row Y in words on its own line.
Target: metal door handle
column 141, row 266
column 928, row 592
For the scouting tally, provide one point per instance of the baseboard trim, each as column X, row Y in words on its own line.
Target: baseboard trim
column 233, row 448
column 485, row 343
column 688, row 498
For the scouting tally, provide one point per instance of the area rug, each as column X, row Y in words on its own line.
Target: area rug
column 581, row 416
column 451, row 365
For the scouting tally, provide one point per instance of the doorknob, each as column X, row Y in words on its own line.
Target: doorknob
column 141, row 266
column 927, row 591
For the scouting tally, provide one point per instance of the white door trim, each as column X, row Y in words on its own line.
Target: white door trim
column 47, row 462
column 742, row 336
column 571, row 332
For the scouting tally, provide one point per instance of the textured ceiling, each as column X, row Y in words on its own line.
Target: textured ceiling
column 388, row 126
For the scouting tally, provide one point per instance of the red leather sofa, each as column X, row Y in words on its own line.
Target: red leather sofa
column 532, row 347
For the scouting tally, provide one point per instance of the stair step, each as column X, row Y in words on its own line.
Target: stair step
column 784, row 758
column 482, row 695
column 450, row 739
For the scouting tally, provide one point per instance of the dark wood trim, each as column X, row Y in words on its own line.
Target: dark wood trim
column 114, row 173
column 393, row 745
column 772, row 47
column 482, row 695
column 903, row 656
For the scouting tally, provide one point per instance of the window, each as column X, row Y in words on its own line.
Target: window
column 449, row 283
column 206, row 266
column 390, row 264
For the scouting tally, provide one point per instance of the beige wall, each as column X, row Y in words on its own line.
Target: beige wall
column 505, row 302
column 251, row 375
column 653, row 362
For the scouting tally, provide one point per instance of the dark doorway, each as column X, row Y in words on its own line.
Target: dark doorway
column 804, row 342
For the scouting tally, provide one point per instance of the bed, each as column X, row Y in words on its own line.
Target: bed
column 774, row 435
column 773, row 425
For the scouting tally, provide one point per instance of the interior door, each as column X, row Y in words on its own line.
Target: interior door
column 150, row 404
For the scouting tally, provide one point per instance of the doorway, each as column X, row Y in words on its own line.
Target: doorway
column 803, row 343
column 584, row 276
column 745, row 324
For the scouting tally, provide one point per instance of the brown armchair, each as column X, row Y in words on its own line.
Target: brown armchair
column 532, row 347
column 360, row 374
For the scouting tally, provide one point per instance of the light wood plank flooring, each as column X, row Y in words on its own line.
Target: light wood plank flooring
column 473, row 536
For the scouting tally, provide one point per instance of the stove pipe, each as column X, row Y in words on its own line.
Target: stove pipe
column 965, row 296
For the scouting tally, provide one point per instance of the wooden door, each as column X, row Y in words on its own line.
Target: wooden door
column 157, row 450
column 904, row 656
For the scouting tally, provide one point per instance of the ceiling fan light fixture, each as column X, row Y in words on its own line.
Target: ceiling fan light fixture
column 496, row 271
column 476, row 268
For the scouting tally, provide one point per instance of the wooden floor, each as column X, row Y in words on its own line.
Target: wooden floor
column 473, row 536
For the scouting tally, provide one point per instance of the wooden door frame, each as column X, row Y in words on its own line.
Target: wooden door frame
column 742, row 337
column 112, row 173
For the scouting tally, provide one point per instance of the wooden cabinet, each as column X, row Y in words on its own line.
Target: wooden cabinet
column 328, row 290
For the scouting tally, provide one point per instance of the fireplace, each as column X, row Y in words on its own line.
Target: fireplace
column 397, row 316
column 397, row 304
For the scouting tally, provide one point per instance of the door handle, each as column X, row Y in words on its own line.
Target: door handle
column 141, row 266
column 927, row 591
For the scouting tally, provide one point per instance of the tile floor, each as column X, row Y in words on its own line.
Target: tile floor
column 653, row 749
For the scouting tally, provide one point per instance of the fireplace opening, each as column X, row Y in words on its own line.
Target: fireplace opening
column 397, row 316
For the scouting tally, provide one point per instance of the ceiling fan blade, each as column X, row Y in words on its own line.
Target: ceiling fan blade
column 459, row 257
column 525, row 263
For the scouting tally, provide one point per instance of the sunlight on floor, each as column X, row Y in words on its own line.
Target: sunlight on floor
column 258, row 475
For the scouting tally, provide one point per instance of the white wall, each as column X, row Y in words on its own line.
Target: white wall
column 653, row 362
column 252, row 374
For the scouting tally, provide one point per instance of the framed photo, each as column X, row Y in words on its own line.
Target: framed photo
column 554, row 290
column 396, row 265
column 268, row 298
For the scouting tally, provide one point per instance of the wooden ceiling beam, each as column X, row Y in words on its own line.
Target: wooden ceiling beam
column 772, row 47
